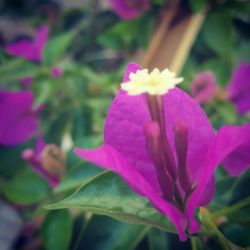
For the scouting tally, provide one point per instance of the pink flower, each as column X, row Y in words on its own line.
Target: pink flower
column 129, row 9
column 239, row 88
column 18, row 119
column 204, row 87
column 56, row 72
column 30, row 50
column 47, row 160
column 26, row 81
column 165, row 148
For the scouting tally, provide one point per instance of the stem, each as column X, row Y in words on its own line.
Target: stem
column 194, row 243
column 232, row 209
column 212, row 230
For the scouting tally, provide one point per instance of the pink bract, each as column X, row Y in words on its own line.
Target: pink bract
column 125, row 152
column 129, row 9
column 30, row 50
column 18, row 120
column 204, row 87
column 239, row 88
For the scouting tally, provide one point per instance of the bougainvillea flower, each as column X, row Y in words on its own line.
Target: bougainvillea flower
column 235, row 164
column 239, row 88
column 30, row 50
column 26, row 81
column 129, row 9
column 56, row 72
column 204, row 87
column 164, row 147
column 47, row 160
column 18, row 119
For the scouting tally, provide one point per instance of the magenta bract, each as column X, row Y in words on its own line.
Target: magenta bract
column 30, row 50
column 35, row 158
column 239, row 88
column 203, row 87
column 18, row 120
column 132, row 150
column 129, row 9
column 56, row 72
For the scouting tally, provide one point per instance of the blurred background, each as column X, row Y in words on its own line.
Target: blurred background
column 70, row 55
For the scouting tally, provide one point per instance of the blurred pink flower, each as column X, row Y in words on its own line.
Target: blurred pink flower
column 239, row 88
column 129, row 9
column 18, row 119
column 204, row 87
column 27, row 81
column 56, row 72
column 165, row 148
column 30, row 50
column 47, row 160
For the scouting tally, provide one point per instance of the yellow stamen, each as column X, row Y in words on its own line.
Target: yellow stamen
column 154, row 83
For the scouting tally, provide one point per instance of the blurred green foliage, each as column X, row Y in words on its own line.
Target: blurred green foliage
column 92, row 46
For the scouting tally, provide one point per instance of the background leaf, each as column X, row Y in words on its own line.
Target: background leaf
column 26, row 188
column 104, row 233
column 157, row 239
column 217, row 33
column 80, row 175
column 56, row 230
column 56, row 47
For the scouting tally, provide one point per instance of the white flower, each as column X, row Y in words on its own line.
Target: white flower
column 154, row 83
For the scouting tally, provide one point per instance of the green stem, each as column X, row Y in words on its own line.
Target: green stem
column 213, row 231
column 194, row 243
column 232, row 209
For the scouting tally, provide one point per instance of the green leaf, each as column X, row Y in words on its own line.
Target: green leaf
column 223, row 192
column 26, row 188
column 119, row 36
column 107, row 234
column 79, row 176
column 127, row 34
column 107, row 194
column 196, row 5
column 157, row 239
column 227, row 112
column 220, row 68
column 56, row 47
column 241, row 188
column 16, row 69
column 217, row 34
column 56, row 230
column 11, row 160
column 158, row 2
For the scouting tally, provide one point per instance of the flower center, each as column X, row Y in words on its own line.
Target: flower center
column 154, row 83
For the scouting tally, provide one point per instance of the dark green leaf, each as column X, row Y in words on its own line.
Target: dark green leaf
column 11, row 161
column 217, row 34
column 241, row 188
column 157, row 239
column 16, row 69
column 56, row 230
column 158, row 2
column 26, row 188
column 126, row 34
column 220, row 68
column 76, row 177
column 104, row 233
column 108, row 195
column 196, row 5
column 56, row 47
